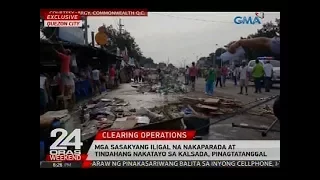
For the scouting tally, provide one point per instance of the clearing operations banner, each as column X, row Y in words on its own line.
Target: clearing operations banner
column 175, row 149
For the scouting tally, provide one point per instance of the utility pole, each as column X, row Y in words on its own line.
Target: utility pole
column 168, row 61
column 92, row 38
column 184, row 62
column 85, row 30
column 120, row 26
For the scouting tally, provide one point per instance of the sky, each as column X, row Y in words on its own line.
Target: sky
column 181, row 38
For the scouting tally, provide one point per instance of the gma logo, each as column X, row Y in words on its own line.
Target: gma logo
column 247, row 20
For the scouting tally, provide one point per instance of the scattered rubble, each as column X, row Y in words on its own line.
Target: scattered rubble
column 266, row 111
column 115, row 114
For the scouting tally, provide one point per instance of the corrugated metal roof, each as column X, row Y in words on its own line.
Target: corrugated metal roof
column 74, row 45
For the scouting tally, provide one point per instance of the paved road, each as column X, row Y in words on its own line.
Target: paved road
column 224, row 130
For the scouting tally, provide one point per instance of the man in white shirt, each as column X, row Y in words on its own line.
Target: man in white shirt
column 73, row 63
column 235, row 74
column 268, row 71
column 244, row 77
column 96, row 80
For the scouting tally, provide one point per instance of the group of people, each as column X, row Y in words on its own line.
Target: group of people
column 213, row 77
column 272, row 44
column 62, row 84
column 243, row 73
column 139, row 75
column 221, row 76
column 258, row 71
column 101, row 80
column 217, row 76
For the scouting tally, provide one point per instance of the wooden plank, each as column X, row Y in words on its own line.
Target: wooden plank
column 56, row 114
column 201, row 106
column 193, row 111
column 213, row 101
column 216, row 113
column 124, row 125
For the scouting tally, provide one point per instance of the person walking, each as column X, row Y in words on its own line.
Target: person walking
column 193, row 73
column 218, row 77
column 140, row 75
column 236, row 73
column 186, row 76
column 211, row 76
column 244, row 77
column 268, row 72
column 224, row 73
column 136, row 75
column 96, row 81
column 112, row 76
column 161, row 77
column 257, row 74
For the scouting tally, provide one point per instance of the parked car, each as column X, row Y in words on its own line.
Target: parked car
column 276, row 69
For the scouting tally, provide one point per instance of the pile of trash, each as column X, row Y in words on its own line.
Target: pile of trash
column 170, row 84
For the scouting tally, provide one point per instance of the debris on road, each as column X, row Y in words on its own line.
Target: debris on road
column 170, row 84
column 265, row 111
column 212, row 106
column 116, row 114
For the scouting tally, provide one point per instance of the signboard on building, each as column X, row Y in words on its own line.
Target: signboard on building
column 71, row 34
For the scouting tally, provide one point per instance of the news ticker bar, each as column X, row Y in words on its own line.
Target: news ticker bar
column 159, row 164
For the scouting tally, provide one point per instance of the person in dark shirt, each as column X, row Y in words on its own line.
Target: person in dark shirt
column 218, row 76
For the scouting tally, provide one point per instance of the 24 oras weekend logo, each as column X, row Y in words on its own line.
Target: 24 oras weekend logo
column 59, row 149
column 256, row 19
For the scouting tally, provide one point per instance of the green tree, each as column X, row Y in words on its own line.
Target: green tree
column 218, row 53
column 269, row 30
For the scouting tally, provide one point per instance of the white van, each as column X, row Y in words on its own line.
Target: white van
column 276, row 69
